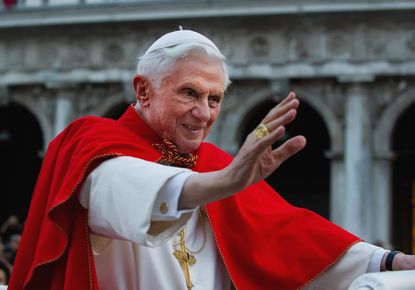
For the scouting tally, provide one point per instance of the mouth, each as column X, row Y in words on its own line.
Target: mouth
column 193, row 129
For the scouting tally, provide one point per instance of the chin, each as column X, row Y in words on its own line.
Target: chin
column 188, row 148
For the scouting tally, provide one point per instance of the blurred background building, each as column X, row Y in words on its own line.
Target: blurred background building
column 352, row 63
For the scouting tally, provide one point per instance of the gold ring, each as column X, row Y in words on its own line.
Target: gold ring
column 261, row 131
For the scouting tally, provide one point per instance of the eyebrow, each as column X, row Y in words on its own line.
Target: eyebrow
column 196, row 86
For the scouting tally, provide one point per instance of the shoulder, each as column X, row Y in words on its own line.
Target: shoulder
column 92, row 121
column 83, row 129
column 87, row 124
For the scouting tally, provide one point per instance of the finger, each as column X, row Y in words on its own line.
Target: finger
column 278, row 111
column 288, row 98
column 273, row 137
column 289, row 148
column 275, row 129
column 283, row 120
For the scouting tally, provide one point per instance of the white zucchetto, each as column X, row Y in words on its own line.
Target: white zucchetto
column 180, row 37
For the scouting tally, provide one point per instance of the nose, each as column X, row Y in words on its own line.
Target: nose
column 201, row 111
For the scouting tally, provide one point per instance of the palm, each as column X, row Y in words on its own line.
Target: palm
column 256, row 159
column 267, row 163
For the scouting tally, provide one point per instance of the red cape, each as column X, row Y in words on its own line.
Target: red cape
column 265, row 242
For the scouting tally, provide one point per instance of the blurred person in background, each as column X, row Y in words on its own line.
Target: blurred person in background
column 12, row 247
column 10, row 227
column 4, row 271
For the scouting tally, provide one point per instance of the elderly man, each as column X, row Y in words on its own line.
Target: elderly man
column 144, row 203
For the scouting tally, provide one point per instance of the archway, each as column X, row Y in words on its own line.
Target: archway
column 304, row 180
column 403, row 180
column 21, row 142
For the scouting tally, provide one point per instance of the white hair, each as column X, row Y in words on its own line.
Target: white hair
column 158, row 63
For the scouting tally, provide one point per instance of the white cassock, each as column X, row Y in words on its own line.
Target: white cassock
column 133, row 213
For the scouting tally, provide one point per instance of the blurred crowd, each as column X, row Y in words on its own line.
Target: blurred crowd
column 10, row 233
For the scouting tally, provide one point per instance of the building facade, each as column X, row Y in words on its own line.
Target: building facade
column 352, row 64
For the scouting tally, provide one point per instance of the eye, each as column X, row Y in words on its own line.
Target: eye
column 214, row 101
column 189, row 92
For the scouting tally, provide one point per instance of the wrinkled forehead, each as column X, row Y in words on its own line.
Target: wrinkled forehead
column 198, row 68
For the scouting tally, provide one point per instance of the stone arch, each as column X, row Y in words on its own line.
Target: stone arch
column 331, row 121
column 403, row 181
column 20, row 160
column 34, row 107
column 387, row 121
column 383, row 165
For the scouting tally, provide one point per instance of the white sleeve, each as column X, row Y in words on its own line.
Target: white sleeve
column 121, row 195
column 166, row 206
column 376, row 260
column 359, row 259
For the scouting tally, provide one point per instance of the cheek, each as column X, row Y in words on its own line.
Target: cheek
column 214, row 115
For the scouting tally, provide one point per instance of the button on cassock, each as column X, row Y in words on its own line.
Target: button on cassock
column 164, row 207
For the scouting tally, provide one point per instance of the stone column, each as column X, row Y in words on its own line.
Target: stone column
column 337, row 188
column 63, row 110
column 358, row 178
column 382, row 187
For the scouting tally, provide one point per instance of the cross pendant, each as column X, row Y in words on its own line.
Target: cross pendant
column 185, row 259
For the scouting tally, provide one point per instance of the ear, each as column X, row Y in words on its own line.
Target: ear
column 141, row 90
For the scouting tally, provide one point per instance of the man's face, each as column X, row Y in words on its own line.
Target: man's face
column 187, row 102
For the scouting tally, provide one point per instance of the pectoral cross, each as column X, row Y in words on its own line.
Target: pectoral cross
column 185, row 258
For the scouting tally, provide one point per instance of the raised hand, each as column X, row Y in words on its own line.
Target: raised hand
column 255, row 160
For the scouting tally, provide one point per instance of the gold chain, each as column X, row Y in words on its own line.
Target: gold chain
column 184, row 229
column 186, row 257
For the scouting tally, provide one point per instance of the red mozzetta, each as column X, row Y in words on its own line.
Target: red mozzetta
column 264, row 241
